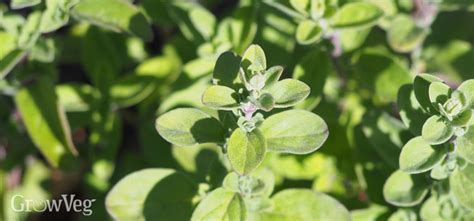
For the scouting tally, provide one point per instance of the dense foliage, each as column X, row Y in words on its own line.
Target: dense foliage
column 272, row 110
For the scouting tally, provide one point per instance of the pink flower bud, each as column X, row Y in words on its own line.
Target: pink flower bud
column 249, row 109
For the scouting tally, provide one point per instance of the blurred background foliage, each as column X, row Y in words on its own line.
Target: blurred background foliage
column 81, row 87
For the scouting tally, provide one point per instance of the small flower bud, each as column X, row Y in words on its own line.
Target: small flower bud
column 249, row 109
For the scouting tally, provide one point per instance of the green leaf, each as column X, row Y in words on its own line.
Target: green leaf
column 430, row 210
column 462, row 186
column 267, row 177
column 373, row 213
column 294, row 131
column 231, row 182
column 184, row 14
column 203, row 161
column 119, row 16
column 421, row 87
column 165, row 68
column 435, row 131
column 440, row 171
column 30, row 31
column 385, row 134
column 404, row 35
column 272, row 75
column 301, row 6
column 467, row 88
column 356, row 14
column 288, row 92
column 313, row 70
column 8, row 62
column 266, row 102
column 220, row 97
column 463, row 119
column 226, row 70
column 244, row 27
column 76, row 97
column 98, row 48
column 465, row 145
column 56, row 14
column 152, row 194
column 411, row 112
column 318, row 8
column 403, row 214
column 254, row 59
column 44, row 51
column 46, row 122
column 382, row 74
column 439, row 93
column 352, row 39
column 418, row 156
column 131, row 90
column 204, row 21
column 308, row 32
column 246, row 150
column 8, row 43
column 221, row 205
column 453, row 58
column 306, row 205
column 189, row 126
column 19, row 4
column 403, row 189
column 188, row 96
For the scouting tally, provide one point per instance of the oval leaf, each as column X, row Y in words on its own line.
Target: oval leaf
column 226, row 70
column 152, row 194
column 356, row 14
column 301, row 6
column 131, row 90
column 439, row 93
column 272, row 75
column 306, row 205
column 246, row 150
column 382, row 75
column 75, row 97
column 404, row 35
column 266, row 102
column 288, row 92
column 308, row 32
column 385, row 134
column 221, row 205
column 189, row 126
column 318, row 7
column 467, row 88
column 118, row 15
column 294, row 131
column 46, row 122
column 403, row 189
column 19, row 4
column 254, row 57
column 435, row 131
column 411, row 112
column 421, row 86
column 203, row 20
column 418, row 156
column 462, row 185
column 220, row 97
column 465, row 145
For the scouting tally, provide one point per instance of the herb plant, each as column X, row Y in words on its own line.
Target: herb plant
column 286, row 110
column 441, row 158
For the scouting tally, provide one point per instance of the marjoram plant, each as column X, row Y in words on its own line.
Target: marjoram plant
column 247, row 115
column 440, row 159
